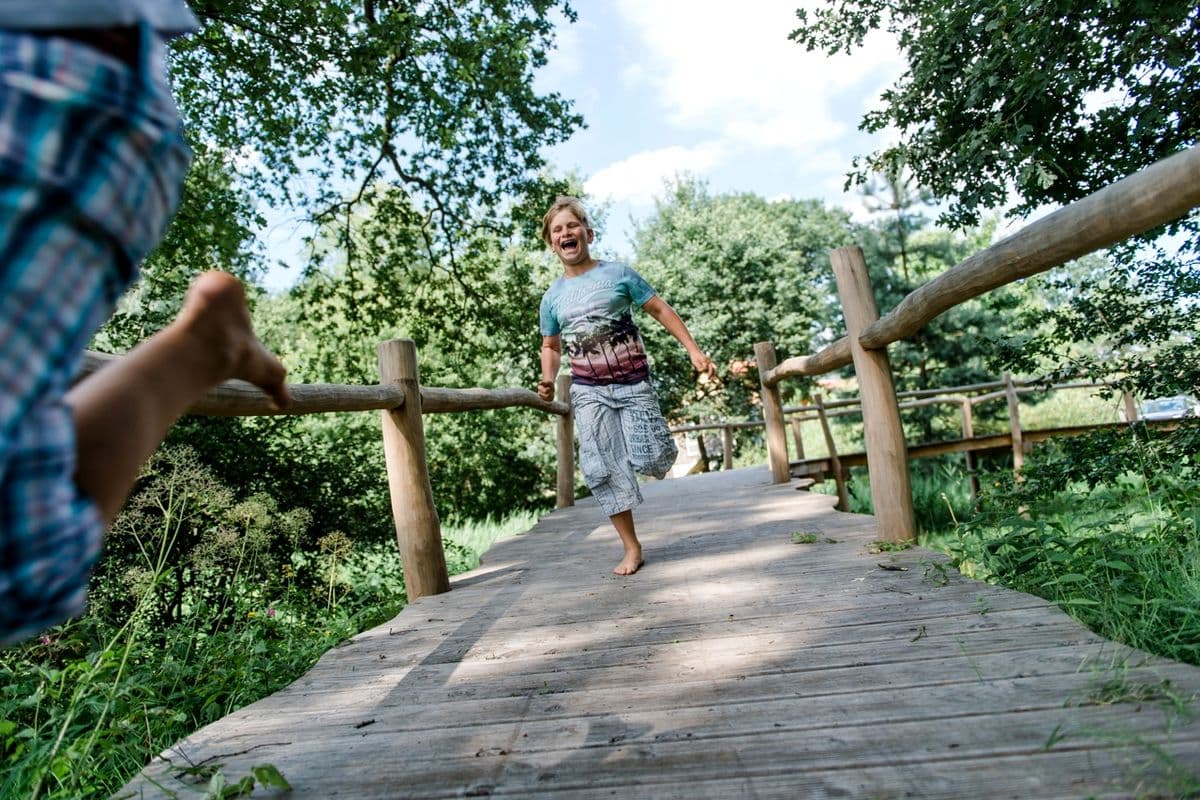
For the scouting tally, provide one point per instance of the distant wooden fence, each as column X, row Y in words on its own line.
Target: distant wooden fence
column 1162, row 192
column 964, row 397
column 402, row 400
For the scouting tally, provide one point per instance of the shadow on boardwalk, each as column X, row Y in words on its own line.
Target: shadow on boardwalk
column 735, row 664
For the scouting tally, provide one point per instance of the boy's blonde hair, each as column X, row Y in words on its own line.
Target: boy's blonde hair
column 572, row 204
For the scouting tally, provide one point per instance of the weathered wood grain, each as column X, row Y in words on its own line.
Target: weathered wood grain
column 418, row 528
column 777, row 454
column 834, row 356
column 735, row 664
column 883, row 432
column 236, row 398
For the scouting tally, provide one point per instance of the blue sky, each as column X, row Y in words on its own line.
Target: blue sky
column 706, row 87
column 714, row 89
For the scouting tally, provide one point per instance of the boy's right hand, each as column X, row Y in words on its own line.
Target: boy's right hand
column 545, row 390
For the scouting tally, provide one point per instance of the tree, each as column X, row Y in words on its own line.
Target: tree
column 324, row 101
column 410, row 136
column 427, row 112
column 1052, row 100
column 739, row 269
column 327, row 327
column 1056, row 98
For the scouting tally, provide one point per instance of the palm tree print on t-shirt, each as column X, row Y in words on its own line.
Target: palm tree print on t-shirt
column 614, row 354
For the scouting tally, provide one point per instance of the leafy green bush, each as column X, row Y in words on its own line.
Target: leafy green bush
column 1105, row 526
column 204, row 601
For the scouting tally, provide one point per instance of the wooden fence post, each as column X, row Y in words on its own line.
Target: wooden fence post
column 1131, row 414
column 887, row 453
column 1014, row 421
column 777, row 453
column 798, row 439
column 565, row 440
column 418, row 529
column 727, row 445
column 968, row 432
column 835, row 463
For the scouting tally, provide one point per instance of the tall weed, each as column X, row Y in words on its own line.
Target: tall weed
column 1107, row 526
column 202, row 604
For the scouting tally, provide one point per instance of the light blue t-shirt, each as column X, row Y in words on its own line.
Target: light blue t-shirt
column 593, row 314
column 168, row 17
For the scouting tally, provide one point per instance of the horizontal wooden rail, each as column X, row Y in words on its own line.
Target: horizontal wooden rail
column 928, row 397
column 835, row 356
column 1160, row 193
column 436, row 400
column 965, row 389
column 716, row 426
column 945, row 395
column 242, row 399
column 821, row 467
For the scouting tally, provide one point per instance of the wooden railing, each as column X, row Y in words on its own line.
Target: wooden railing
column 964, row 397
column 1162, row 192
column 402, row 400
column 1158, row 194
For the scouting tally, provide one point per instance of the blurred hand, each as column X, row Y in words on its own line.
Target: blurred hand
column 545, row 390
column 703, row 365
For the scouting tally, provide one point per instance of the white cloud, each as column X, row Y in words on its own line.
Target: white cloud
column 638, row 179
column 790, row 130
column 564, row 59
column 710, row 62
column 633, row 74
column 771, row 115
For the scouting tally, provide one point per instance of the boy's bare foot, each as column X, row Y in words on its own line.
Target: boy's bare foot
column 215, row 314
column 630, row 564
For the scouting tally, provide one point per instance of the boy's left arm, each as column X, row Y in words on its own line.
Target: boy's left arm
column 669, row 319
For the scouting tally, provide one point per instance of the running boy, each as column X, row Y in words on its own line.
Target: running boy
column 621, row 428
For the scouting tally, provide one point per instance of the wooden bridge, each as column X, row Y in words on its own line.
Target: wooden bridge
column 768, row 648
column 737, row 663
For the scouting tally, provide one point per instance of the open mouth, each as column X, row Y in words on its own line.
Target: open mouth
column 569, row 245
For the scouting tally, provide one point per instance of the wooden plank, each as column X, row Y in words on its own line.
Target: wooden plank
column 622, row 751
column 825, row 695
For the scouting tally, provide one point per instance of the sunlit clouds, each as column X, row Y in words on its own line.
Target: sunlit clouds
column 714, row 90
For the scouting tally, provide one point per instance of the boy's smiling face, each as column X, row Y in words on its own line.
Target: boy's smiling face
column 569, row 239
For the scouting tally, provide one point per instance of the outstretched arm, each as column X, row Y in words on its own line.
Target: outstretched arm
column 551, row 358
column 666, row 316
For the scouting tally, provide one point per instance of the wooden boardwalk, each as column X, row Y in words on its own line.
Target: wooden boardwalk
column 736, row 664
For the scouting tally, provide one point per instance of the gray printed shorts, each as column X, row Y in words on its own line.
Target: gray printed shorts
column 621, row 431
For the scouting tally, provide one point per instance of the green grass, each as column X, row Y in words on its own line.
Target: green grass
column 476, row 536
column 86, row 704
column 1106, row 526
column 1058, row 409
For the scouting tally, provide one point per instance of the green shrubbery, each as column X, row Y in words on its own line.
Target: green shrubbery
column 1105, row 526
column 203, row 602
